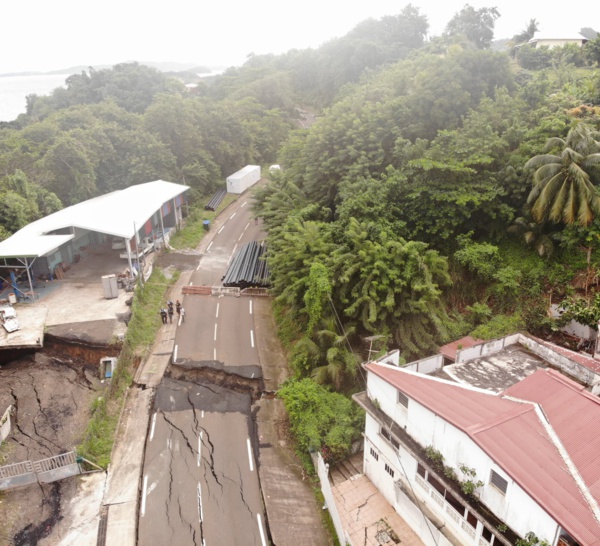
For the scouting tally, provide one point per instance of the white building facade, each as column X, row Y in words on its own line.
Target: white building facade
column 423, row 436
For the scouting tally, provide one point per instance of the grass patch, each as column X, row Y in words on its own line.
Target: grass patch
column 145, row 322
column 193, row 232
column 326, row 517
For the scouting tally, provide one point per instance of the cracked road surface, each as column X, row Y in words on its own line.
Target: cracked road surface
column 199, row 483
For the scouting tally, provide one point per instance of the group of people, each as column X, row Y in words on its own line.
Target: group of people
column 169, row 311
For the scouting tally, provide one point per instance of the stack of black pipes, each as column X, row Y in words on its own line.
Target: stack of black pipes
column 216, row 199
column 247, row 269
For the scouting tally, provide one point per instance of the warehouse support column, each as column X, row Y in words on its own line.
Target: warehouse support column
column 128, row 248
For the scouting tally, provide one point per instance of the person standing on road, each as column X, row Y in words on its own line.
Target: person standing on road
column 171, row 313
column 182, row 314
column 178, row 307
column 163, row 315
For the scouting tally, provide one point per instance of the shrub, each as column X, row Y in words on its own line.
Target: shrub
column 321, row 419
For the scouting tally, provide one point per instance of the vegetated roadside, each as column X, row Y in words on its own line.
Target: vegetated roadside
column 190, row 236
column 141, row 334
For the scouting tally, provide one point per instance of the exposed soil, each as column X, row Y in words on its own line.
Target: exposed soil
column 51, row 393
column 32, row 533
column 217, row 376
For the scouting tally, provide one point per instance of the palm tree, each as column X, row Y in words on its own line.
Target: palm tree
column 563, row 188
column 525, row 35
column 535, row 235
column 339, row 362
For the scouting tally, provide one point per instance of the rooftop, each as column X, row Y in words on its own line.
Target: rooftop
column 450, row 349
column 496, row 371
column 118, row 214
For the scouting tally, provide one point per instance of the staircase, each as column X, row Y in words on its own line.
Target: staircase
column 346, row 469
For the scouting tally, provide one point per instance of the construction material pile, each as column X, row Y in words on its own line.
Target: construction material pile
column 249, row 267
column 216, row 199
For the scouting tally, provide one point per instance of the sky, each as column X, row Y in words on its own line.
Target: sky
column 39, row 35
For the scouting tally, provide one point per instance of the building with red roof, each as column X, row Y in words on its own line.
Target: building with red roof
column 466, row 465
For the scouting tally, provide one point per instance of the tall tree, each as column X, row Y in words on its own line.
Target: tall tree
column 477, row 25
column 388, row 285
column 563, row 184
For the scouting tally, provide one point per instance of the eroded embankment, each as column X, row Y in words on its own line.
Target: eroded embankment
column 50, row 392
column 78, row 351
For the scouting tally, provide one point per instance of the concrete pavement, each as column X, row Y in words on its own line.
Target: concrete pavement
column 290, row 502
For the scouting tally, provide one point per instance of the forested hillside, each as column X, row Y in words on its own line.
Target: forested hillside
column 113, row 128
column 445, row 189
column 451, row 192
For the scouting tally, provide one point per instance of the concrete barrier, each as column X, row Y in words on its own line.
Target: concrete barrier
column 197, row 290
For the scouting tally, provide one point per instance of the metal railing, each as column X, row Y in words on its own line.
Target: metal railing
column 46, row 470
column 52, row 463
column 16, row 469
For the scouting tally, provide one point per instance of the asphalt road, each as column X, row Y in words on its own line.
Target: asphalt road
column 200, row 482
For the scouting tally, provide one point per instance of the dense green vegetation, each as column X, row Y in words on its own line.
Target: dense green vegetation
column 446, row 188
column 452, row 192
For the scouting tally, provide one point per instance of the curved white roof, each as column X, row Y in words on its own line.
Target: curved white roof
column 115, row 214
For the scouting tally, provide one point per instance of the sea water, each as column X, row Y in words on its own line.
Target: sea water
column 14, row 90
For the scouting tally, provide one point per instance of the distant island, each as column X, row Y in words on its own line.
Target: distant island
column 166, row 66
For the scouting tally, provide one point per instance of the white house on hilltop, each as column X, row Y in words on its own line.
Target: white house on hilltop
column 557, row 40
column 529, row 454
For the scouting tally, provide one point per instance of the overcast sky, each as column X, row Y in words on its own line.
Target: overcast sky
column 43, row 35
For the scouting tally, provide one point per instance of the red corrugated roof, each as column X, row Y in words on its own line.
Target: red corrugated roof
column 574, row 414
column 513, row 434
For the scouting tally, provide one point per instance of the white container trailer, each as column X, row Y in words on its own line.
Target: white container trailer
column 240, row 181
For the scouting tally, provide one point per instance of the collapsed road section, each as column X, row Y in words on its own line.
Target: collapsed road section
column 200, row 482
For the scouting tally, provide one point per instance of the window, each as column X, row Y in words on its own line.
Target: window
column 486, row 534
column 388, row 436
column 499, row 482
column 389, row 470
column 374, row 454
column 402, row 399
column 455, row 503
column 439, row 487
column 421, row 470
column 472, row 519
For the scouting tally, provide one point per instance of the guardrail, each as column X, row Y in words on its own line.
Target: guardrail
column 224, row 291
column 255, row 292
